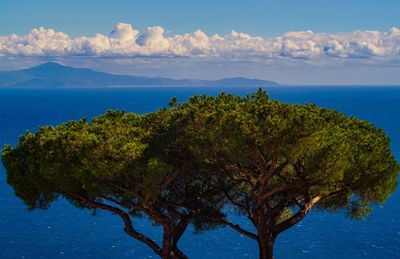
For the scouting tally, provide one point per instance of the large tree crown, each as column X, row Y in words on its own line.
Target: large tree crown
column 224, row 141
column 321, row 152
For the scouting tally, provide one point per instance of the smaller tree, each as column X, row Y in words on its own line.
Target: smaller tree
column 118, row 163
column 274, row 161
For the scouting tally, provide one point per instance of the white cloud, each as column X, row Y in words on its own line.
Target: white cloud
column 125, row 41
column 124, row 32
column 153, row 41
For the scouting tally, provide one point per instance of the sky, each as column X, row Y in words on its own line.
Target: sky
column 292, row 42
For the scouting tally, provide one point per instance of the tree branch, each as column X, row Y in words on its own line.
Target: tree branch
column 271, row 167
column 296, row 217
column 237, row 228
column 136, row 194
column 233, row 201
column 269, row 194
column 170, row 179
column 129, row 229
column 281, row 167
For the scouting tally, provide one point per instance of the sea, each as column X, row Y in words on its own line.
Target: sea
column 64, row 231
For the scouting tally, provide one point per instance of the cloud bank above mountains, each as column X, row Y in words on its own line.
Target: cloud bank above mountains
column 369, row 47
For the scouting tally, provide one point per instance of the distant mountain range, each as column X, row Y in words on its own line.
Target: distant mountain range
column 56, row 75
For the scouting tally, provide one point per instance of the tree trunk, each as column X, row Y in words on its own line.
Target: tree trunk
column 266, row 246
column 169, row 249
column 172, row 252
column 179, row 254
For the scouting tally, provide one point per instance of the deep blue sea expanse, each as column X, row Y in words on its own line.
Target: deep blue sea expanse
column 64, row 231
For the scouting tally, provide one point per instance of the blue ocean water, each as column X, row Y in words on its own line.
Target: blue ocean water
column 64, row 231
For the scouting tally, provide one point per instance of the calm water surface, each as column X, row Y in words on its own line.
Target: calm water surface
column 64, row 231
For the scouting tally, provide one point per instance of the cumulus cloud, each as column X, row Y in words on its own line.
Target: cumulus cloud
column 124, row 32
column 126, row 41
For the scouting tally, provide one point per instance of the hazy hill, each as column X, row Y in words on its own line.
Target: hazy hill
column 55, row 75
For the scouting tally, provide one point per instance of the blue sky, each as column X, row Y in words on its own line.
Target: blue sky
column 364, row 58
column 256, row 17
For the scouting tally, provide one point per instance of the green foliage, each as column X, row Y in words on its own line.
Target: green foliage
column 74, row 156
column 126, row 157
column 323, row 152
column 194, row 157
